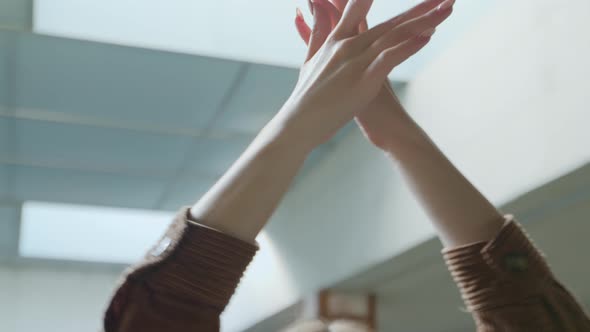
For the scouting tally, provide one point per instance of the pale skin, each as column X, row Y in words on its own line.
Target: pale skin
column 460, row 213
column 344, row 78
column 335, row 84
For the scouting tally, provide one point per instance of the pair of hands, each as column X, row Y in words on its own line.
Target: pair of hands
column 345, row 72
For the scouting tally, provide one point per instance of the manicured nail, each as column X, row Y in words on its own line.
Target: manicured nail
column 446, row 5
column 428, row 33
column 298, row 13
column 310, row 4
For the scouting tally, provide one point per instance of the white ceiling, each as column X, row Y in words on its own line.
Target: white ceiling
column 254, row 31
column 99, row 124
column 90, row 123
column 93, row 123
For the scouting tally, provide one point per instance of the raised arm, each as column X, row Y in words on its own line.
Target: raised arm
column 504, row 279
column 343, row 72
column 186, row 281
column 460, row 213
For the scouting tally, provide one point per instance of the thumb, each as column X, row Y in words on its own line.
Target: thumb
column 302, row 27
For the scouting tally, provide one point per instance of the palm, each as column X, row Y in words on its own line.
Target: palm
column 377, row 119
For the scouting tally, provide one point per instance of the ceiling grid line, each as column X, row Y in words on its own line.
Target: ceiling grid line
column 68, row 119
column 221, row 109
column 85, row 168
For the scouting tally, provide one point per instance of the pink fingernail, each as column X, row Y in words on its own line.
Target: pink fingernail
column 310, row 6
column 446, row 5
column 428, row 33
column 298, row 13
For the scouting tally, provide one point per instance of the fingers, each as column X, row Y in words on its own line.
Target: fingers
column 425, row 24
column 320, row 33
column 302, row 27
column 405, row 39
column 353, row 15
column 371, row 35
column 340, row 4
column 364, row 26
column 419, row 10
column 394, row 56
column 334, row 13
column 322, row 27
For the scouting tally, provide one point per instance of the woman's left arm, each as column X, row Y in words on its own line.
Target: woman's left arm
column 504, row 279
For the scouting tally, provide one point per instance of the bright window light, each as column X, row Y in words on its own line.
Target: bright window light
column 89, row 233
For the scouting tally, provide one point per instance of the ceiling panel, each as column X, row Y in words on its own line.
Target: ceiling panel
column 54, row 185
column 215, row 156
column 260, row 37
column 260, row 95
column 90, row 148
column 186, row 190
column 120, row 84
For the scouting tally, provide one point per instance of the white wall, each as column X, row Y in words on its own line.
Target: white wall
column 267, row 288
column 53, row 299
column 73, row 298
column 555, row 215
column 351, row 211
column 509, row 101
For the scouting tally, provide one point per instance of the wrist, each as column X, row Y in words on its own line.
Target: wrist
column 295, row 126
column 280, row 135
column 406, row 137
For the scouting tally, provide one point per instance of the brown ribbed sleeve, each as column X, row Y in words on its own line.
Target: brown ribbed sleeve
column 508, row 286
column 183, row 283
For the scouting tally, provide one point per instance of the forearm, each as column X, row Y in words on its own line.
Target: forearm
column 243, row 200
column 460, row 213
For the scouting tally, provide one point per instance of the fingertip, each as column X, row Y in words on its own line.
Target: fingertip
column 332, row 11
column 354, row 14
column 428, row 33
column 302, row 28
column 422, row 40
